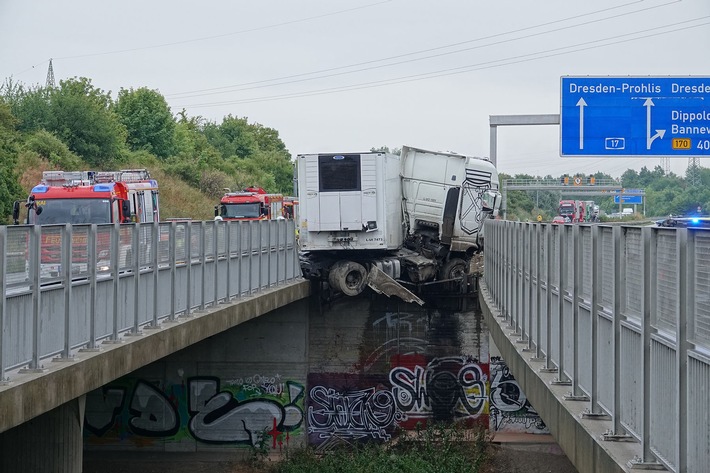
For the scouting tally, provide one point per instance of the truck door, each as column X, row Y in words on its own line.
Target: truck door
column 338, row 197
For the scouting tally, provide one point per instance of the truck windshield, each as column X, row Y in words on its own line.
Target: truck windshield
column 240, row 210
column 72, row 211
column 566, row 209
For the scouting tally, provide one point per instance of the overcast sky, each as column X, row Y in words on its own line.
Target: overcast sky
column 349, row 75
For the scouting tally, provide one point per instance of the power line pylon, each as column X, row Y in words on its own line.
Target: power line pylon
column 666, row 165
column 692, row 173
column 50, row 75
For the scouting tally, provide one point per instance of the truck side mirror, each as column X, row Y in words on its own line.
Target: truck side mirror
column 16, row 212
column 126, row 210
column 216, row 211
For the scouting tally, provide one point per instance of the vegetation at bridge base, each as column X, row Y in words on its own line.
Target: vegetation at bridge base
column 437, row 448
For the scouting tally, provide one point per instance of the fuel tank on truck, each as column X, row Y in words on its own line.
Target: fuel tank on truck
column 349, row 201
column 448, row 195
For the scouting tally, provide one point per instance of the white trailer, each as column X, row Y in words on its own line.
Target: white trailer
column 350, row 201
column 379, row 219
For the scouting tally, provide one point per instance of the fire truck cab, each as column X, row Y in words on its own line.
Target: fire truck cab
column 251, row 204
column 92, row 197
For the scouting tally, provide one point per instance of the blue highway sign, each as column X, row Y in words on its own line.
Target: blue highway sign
column 635, row 116
column 628, row 199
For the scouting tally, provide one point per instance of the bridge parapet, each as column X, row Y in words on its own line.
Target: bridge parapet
column 68, row 288
column 620, row 315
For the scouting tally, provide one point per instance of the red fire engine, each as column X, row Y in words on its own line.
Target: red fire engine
column 93, row 197
column 251, row 204
column 82, row 197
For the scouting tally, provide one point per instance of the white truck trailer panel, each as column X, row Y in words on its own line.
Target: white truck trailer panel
column 349, row 201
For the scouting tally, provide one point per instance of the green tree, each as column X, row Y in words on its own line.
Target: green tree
column 233, row 137
column 10, row 189
column 148, row 121
column 83, row 118
column 51, row 148
column 31, row 106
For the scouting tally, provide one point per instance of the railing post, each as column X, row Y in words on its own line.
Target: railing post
column 269, row 228
column 215, row 243
column 616, row 337
column 509, row 271
column 35, row 265
column 135, row 249
column 539, row 239
column 188, row 262
column 66, row 260
column 3, row 287
column 115, row 243
column 595, row 408
column 686, row 261
column 93, row 264
column 240, row 249
column 647, row 458
column 563, row 248
column 203, row 263
column 576, row 394
column 173, row 267
column 530, row 304
column 251, row 255
column 261, row 254
column 228, row 251
column 548, row 294
column 156, row 271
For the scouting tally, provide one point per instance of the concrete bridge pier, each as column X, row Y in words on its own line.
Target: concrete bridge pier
column 50, row 442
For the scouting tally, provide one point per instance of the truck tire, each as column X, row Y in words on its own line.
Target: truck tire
column 348, row 277
column 455, row 268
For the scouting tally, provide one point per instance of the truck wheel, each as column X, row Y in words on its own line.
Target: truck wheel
column 455, row 268
column 348, row 277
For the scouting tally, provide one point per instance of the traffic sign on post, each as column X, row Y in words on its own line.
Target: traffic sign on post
column 635, row 116
column 628, row 199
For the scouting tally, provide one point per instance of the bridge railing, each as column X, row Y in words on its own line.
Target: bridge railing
column 622, row 315
column 68, row 287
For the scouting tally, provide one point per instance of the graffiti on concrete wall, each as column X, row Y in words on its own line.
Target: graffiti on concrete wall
column 447, row 388
column 245, row 411
column 349, row 408
column 510, row 409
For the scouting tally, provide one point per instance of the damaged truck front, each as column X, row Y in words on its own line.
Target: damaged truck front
column 392, row 222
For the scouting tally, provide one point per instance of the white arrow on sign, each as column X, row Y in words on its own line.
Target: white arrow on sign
column 659, row 133
column 581, row 104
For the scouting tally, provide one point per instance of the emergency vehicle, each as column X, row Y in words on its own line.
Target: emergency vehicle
column 251, row 204
column 86, row 197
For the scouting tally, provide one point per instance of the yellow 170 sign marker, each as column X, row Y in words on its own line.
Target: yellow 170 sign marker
column 681, row 143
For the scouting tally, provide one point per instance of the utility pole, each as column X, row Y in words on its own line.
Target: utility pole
column 50, row 75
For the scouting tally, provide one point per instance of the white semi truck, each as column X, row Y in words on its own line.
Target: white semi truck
column 390, row 221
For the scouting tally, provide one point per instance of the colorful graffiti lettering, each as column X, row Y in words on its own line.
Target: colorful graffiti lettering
column 218, row 417
column 365, row 413
column 235, row 414
column 447, row 388
column 510, row 409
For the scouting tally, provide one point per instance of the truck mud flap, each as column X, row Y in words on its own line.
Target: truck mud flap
column 383, row 284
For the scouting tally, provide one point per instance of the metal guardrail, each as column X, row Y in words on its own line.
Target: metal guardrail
column 622, row 314
column 74, row 287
